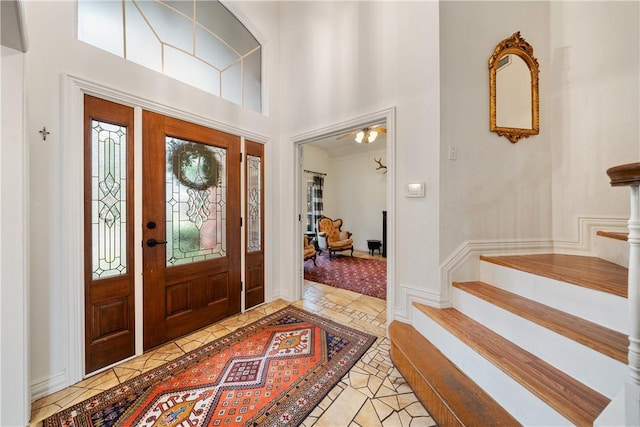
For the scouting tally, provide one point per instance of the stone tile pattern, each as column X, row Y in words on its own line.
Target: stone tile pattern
column 373, row 393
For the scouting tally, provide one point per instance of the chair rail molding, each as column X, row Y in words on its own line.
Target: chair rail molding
column 584, row 234
column 464, row 263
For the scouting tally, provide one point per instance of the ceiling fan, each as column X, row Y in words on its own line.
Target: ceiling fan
column 366, row 135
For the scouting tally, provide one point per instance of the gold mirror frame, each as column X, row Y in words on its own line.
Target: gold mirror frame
column 515, row 45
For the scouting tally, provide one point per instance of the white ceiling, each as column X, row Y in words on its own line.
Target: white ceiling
column 348, row 146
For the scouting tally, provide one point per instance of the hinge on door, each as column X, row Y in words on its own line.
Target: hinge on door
column 240, row 157
column 240, row 221
column 299, row 217
column 241, row 286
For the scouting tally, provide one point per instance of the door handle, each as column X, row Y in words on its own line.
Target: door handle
column 153, row 242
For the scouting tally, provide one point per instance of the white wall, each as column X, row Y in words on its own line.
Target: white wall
column 359, row 196
column 14, row 293
column 353, row 190
column 342, row 60
column 495, row 189
column 594, row 115
column 54, row 52
column 316, row 159
column 326, row 62
column 547, row 187
column 541, row 188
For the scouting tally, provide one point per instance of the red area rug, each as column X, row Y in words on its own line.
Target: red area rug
column 362, row 275
column 271, row 372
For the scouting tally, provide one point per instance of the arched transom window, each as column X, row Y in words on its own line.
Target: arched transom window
column 199, row 42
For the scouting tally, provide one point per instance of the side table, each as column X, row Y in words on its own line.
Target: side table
column 374, row 245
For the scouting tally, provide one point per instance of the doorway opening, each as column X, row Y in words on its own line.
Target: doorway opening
column 356, row 182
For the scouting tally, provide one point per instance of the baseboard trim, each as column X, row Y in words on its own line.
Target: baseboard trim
column 407, row 296
column 48, row 385
column 276, row 295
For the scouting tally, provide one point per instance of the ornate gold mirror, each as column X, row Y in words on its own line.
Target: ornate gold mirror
column 513, row 89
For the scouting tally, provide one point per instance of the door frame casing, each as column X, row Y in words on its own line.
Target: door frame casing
column 73, row 90
column 388, row 115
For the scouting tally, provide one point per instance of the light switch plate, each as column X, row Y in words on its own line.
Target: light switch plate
column 414, row 189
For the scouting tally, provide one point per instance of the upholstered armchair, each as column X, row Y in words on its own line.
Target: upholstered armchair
column 309, row 250
column 336, row 239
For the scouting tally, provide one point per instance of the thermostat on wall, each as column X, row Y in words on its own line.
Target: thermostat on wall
column 414, row 189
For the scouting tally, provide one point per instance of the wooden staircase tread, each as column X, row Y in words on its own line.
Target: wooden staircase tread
column 449, row 395
column 575, row 401
column 613, row 235
column 604, row 340
column 589, row 272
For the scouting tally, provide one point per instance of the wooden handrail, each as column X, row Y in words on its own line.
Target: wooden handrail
column 624, row 175
column 629, row 175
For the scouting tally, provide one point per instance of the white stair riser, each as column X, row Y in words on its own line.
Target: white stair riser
column 590, row 367
column 614, row 414
column 519, row 402
column 599, row 307
column 613, row 250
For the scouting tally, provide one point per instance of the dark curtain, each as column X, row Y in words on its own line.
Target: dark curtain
column 317, row 207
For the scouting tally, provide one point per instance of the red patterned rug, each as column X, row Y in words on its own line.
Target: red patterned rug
column 271, row 372
column 362, row 275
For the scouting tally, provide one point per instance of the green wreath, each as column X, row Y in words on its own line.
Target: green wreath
column 194, row 167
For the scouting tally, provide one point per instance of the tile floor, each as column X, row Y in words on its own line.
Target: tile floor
column 373, row 393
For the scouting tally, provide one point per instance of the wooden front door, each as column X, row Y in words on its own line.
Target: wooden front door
column 191, row 227
column 254, row 198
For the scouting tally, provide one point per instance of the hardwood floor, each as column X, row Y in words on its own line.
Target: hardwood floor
column 588, row 272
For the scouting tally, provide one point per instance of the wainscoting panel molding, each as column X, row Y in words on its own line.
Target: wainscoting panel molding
column 409, row 294
column 464, row 263
column 585, row 234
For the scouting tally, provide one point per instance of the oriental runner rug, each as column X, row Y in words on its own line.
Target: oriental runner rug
column 361, row 275
column 272, row 372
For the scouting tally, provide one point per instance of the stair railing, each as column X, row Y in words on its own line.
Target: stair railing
column 629, row 175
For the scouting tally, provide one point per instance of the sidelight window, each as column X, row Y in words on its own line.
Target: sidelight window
column 254, row 204
column 108, row 201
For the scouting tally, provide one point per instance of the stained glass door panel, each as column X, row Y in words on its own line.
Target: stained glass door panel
column 191, row 227
column 196, row 202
